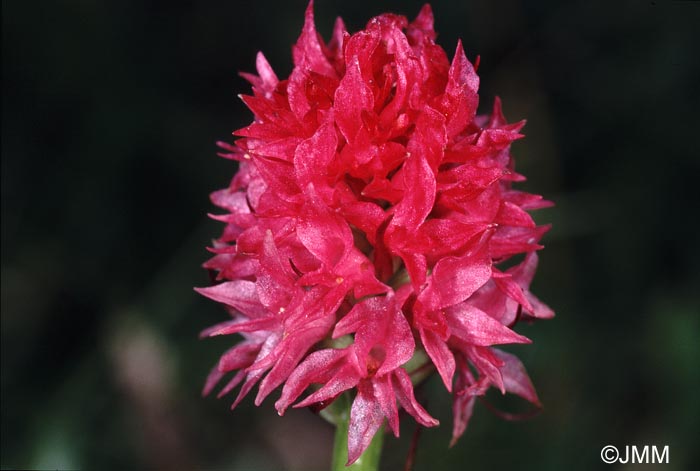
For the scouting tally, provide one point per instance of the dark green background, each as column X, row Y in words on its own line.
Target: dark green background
column 110, row 111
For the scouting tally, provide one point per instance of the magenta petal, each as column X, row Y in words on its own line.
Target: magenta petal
column 478, row 328
column 424, row 22
column 513, row 290
column 515, row 378
column 512, row 215
column 488, row 364
column 352, row 98
column 240, row 356
column 384, row 392
column 213, row 379
column 345, row 378
column 429, row 139
column 416, row 266
column 461, row 98
column 383, row 336
column 539, row 309
column 462, row 409
column 231, row 266
column 323, row 232
column 457, row 278
column 238, row 294
column 275, row 283
column 236, row 326
column 365, row 419
column 313, row 156
column 442, row 357
column 234, row 201
column 318, row 367
column 404, row 393
column 419, row 193
column 267, row 75
column 235, row 381
column 398, row 342
column 254, row 376
column 251, row 380
column 289, row 352
column 308, row 51
column 296, row 92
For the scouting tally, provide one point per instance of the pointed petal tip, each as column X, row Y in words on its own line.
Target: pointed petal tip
column 426, row 12
column 309, row 12
column 238, row 400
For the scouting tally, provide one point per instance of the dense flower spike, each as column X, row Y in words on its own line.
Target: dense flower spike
column 367, row 230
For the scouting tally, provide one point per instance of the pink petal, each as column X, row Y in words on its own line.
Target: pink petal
column 478, row 328
column 275, row 283
column 457, row 278
column 240, row 356
column 313, row 157
column 424, row 22
column 461, row 99
column 236, row 326
column 323, row 232
column 515, row 378
column 404, row 393
column 506, row 284
column 419, row 196
column 487, row 363
column 442, row 357
column 213, row 379
column 267, row 75
column 318, row 367
column 289, row 352
column 462, row 409
column 539, row 309
column 232, row 266
column 296, row 91
column 308, row 51
column 384, row 392
column 335, row 45
column 352, row 98
column 366, row 417
column 512, row 215
column 345, row 378
column 235, row 381
column 239, row 294
column 379, row 327
column 254, row 375
column 429, row 138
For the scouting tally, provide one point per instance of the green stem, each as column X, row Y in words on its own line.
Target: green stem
column 369, row 461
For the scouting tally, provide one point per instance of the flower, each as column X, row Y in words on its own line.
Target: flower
column 367, row 228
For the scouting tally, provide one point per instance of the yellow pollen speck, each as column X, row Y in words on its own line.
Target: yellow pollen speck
column 246, row 156
column 339, row 280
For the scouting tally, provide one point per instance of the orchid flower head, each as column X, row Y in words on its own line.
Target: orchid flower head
column 372, row 232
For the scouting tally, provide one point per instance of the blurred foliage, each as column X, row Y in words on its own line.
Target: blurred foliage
column 110, row 113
